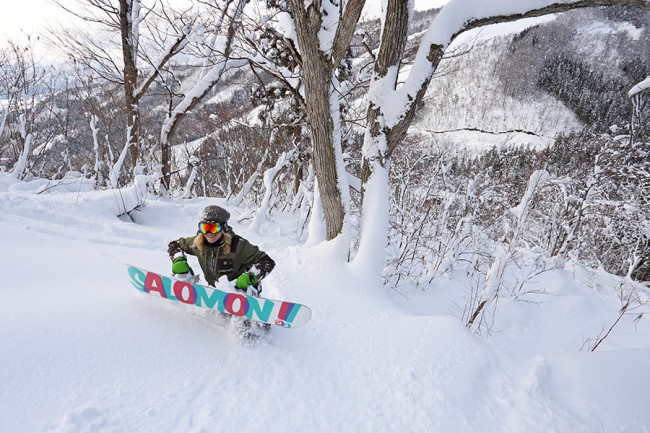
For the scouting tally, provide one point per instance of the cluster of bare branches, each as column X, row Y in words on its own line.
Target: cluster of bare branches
column 583, row 200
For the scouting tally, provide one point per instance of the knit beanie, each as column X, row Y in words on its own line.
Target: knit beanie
column 214, row 213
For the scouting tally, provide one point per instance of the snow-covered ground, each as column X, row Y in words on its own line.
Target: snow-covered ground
column 82, row 351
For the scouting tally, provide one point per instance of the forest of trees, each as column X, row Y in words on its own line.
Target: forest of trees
column 279, row 102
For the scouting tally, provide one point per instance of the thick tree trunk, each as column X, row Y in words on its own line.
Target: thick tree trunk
column 130, row 74
column 318, row 68
column 317, row 90
column 373, row 236
column 375, row 194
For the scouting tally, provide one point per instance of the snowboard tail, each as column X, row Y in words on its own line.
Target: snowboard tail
column 275, row 312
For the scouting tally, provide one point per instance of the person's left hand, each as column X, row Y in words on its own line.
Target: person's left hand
column 245, row 280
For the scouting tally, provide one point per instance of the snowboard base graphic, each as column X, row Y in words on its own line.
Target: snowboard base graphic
column 275, row 312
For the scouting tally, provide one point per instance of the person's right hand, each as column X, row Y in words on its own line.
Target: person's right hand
column 173, row 248
column 180, row 266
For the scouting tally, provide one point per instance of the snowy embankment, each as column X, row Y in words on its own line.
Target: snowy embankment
column 83, row 351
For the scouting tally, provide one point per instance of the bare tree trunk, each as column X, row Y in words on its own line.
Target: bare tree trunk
column 130, row 73
column 318, row 68
column 317, row 88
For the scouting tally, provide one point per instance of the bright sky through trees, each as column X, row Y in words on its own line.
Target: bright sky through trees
column 31, row 17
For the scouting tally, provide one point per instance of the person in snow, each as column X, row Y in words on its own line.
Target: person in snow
column 221, row 253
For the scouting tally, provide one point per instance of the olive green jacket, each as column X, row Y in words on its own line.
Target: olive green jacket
column 216, row 263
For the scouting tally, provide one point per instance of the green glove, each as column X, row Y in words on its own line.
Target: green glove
column 245, row 280
column 180, row 266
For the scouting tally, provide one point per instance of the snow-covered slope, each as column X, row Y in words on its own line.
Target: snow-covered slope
column 82, row 351
column 468, row 106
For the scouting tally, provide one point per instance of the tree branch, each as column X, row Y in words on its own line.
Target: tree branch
column 345, row 29
column 178, row 45
column 547, row 10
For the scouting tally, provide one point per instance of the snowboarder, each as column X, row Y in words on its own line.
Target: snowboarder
column 221, row 253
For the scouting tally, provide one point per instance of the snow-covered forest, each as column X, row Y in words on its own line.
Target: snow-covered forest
column 460, row 195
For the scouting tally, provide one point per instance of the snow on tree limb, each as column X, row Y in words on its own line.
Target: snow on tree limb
column 3, row 118
column 639, row 87
column 19, row 168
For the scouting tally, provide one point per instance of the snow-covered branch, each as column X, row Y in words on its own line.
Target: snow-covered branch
column 19, row 169
column 3, row 118
column 639, row 87
column 173, row 49
column 223, row 42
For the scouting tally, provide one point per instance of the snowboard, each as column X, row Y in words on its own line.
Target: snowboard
column 274, row 312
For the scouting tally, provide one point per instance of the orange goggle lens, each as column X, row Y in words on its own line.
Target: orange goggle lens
column 205, row 227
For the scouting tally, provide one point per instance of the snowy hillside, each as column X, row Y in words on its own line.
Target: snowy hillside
column 82, row 351
column 467, row 106
column 488, row 91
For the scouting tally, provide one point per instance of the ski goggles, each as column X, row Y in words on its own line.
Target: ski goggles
column 210, row 227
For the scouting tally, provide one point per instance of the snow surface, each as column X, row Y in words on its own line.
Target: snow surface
column 83, row 351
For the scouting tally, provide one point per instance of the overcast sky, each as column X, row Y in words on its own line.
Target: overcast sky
column 21, row 17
